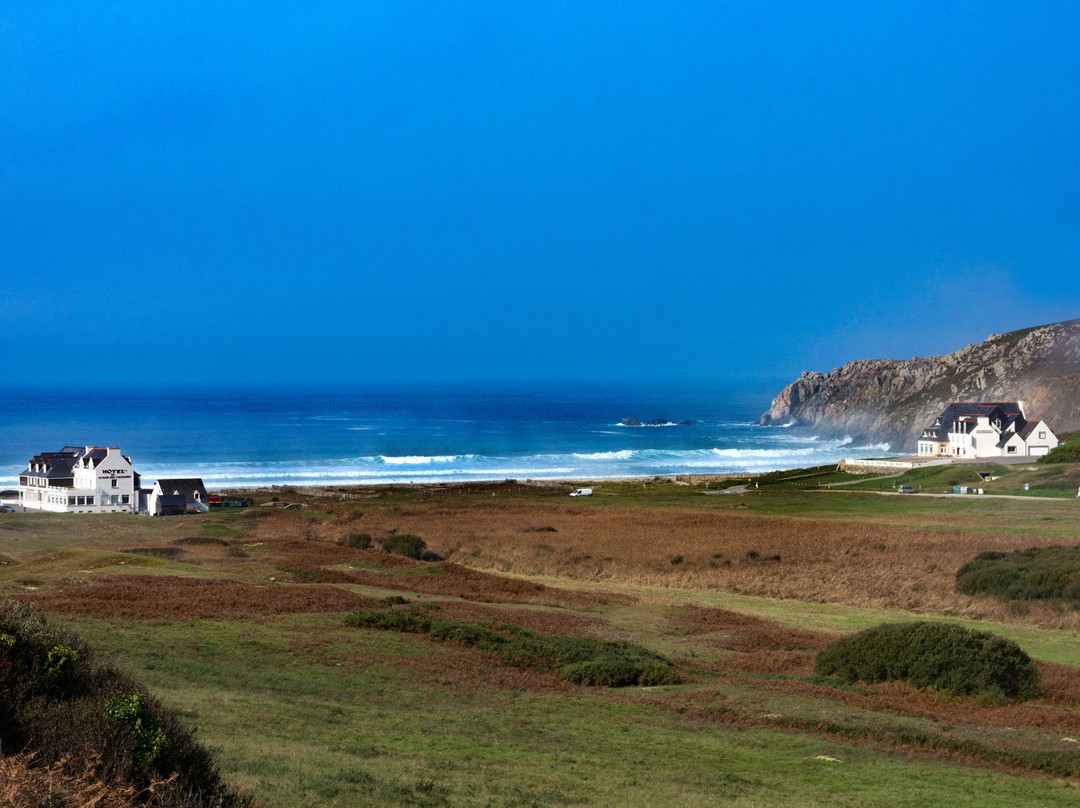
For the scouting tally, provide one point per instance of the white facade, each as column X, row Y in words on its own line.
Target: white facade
column 191, row 489
column 980, row 438
column 80, row 480
column 971, row 430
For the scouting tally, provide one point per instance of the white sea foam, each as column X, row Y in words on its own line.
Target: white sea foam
column 743, row 455
column 763, row 453
column 422, row 460
column 623, row 454
column 720, row 459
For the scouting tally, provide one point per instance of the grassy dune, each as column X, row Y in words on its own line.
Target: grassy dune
column 237, row 619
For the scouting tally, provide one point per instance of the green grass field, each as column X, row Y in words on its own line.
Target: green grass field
column 305, row 710
column 302, row 721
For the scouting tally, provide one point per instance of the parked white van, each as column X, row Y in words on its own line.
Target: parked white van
column 581, row 492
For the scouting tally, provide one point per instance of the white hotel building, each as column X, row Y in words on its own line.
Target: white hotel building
column 981, row 429
column 80, row 480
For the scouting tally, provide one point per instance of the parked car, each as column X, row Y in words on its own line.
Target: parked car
column 6, row 509
column 581, row 492
column 906, row 489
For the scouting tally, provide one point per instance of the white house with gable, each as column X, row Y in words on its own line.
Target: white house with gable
column 175, row 496
column 86, row 479
column 983, row 429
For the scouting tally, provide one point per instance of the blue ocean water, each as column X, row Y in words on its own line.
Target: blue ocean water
column 262, row 437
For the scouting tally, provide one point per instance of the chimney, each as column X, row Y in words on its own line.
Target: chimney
column 1020, row 404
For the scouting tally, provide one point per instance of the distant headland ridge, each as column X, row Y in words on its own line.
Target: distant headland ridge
column 890, row 400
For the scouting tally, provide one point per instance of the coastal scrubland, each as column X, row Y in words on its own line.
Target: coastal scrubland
column 239, row 622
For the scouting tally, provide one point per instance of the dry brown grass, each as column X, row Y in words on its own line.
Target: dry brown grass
column 828, row 561
column 378, row 569
column 65, row 784
column 735, row 631
column 158, row 597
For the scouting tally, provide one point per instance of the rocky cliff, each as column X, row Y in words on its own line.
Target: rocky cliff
column 887, row 400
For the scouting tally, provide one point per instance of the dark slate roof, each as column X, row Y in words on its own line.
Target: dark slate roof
column 96, row 455
column 57, row 464
column 1025, row 433
column 1005, row 438
column 187, row 486
column 959, row 411
column 62, row 464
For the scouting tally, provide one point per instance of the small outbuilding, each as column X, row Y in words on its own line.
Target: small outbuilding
column 175, row 497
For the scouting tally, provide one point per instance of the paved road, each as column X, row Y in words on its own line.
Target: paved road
column 972, row 496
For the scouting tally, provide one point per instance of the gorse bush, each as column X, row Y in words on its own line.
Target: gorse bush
column 582, row 660
column 405, row 544
column 57, row 700
column 149, row 743
column 1037, row 573
column 949, row 658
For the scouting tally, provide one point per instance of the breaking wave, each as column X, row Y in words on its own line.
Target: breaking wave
column 422, row 460
column 623, row 454
column 618, row 463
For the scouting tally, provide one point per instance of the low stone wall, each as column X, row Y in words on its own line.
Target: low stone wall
column 900, row 464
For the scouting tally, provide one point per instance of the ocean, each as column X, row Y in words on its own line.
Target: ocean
column 281, row 436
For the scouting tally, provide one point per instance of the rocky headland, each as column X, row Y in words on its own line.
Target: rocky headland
column 891, row 401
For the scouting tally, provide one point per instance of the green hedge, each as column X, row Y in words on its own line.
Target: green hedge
column 949, row 658
column 582, row 660
column 1037, row 573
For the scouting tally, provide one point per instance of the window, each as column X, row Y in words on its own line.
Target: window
column 89, row 500
column 71, row 500
column 1042, row 436
column 114, row 482
column 1011, row 450
column 125, row 499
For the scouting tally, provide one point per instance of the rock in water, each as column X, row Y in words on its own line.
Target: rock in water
column 892, row 401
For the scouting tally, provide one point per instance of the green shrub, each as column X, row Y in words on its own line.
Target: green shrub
column 60, row 670
column 149, row 743
column 167, row 553
column 405, row 544
column 949, row 658
column 408, row 620
column 1037, row 573
column 358, row 541
column 59, row 701
column 582, row 660
column 467, row 634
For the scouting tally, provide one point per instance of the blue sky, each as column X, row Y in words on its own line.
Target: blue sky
column 366, row 192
